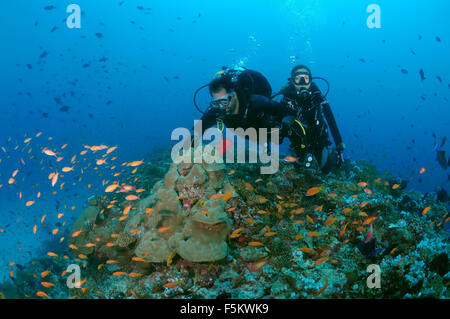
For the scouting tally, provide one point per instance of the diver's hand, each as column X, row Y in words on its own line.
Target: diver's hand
column 340, row 147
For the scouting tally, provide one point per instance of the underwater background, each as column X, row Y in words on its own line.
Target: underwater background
column 126, row 79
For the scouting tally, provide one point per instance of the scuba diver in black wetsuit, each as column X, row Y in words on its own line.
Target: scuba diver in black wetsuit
column 308, row 129
column 242, row 99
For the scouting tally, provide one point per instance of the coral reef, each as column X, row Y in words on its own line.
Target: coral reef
column 210, row 231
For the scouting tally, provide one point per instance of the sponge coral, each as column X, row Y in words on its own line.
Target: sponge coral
column 183, row 218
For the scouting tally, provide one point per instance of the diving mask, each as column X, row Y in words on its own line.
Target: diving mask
column 301, row 78
column 223, row 102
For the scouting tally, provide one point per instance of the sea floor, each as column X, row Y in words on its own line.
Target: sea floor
column 294, row 234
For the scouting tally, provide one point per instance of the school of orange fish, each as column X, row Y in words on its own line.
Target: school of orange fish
column 344, row 211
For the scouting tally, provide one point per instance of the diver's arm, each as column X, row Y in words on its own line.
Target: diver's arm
column 208, row 120
column 269, row 106
column 326, row 109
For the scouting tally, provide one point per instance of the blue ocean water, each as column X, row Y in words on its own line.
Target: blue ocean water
column 126, row 78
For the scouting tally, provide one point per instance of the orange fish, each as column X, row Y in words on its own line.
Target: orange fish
column 370, row 220
column 313, row 191
column 138, row 259
column 82, row 256
column 249, row 187
column 54, row 179
column 256, row 266
column 45, row 273
column 47, row 284
column 111, row 149
column 77, row 233
column 163, row 229
column 29, row 203
column 313, row 234
column 426, row 210
column 290, row 159
column 324, row 287
column 262, row 200
column 118, row 273
column 330, row 221
column 149, row 210
column 422, row 170
column 49, row 152
column 111, row 261
column 343, row 230
column 42, row 294
column 67, row 169
column 364, row 204
column 333, row 194
column 173, row 284
column 132, row 197
column 362, row 214
column 362, row 184
column 306, row 250
column 255, row 243
column 135, row 163
column 320, row 261
column 216, row 196
column 52, row 254
column 395, row 186
column 170, row 257
column 346, row 210
column 134, row 274
column 100, row 162
column 126, row 210
column 227, row 195
column 270, row 233
column 310, row 220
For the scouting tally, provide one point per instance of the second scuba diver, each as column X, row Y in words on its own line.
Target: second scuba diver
column 308, row 128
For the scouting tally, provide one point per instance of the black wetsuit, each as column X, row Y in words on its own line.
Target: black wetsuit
column 256, row 109
column 314, row 113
